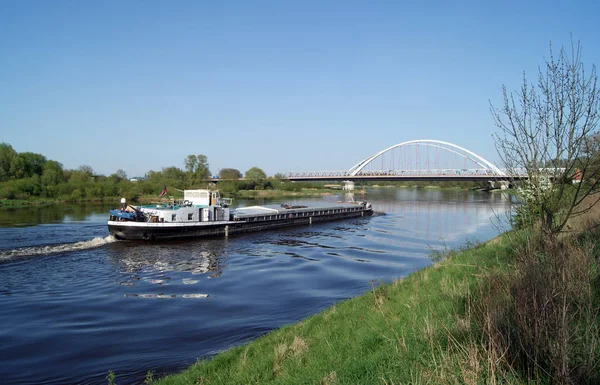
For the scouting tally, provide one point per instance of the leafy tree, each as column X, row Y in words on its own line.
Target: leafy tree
column 52, row 174
column 173, row 173
column 230, row 174
column 152, row 175
column 147, row 188
column 65, row 190
column 255, row 179
column 110, row 189
column 196, row 167
column 203, row 172
column 549, row 125
column 19, row 168
column 7, row 154
column 8, row 190
column 121, row 175
column 191, row 164
column 82, row 175
column 255, row 174
column 27, row 164
column 86, row 169
column 28, row 187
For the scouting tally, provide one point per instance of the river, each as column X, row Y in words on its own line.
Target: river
column 75, row 303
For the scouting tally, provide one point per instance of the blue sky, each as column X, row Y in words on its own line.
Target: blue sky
column 282, row 85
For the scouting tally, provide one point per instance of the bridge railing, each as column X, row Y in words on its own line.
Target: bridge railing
column 517, row 173
column 316, row 174
column 431, row 172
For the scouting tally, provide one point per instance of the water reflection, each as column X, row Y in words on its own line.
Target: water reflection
column 442, row 214
column 150, row 259
column 35, row 215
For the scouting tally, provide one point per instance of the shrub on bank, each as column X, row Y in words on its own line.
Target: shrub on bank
column 540, row 318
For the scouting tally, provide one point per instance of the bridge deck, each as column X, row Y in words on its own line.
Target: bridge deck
column 465, row 178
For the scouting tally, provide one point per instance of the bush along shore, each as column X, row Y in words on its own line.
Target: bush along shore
column 511, row 311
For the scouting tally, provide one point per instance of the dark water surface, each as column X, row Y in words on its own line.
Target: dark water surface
column 75, row 304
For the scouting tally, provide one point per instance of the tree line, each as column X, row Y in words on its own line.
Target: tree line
column 27, row 175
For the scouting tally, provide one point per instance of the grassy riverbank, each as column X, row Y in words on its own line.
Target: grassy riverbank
column 503, row 312
column 446, row 324
column 36, row 202
column 396, row 333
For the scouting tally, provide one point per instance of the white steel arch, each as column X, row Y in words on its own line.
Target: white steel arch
column 433, row 143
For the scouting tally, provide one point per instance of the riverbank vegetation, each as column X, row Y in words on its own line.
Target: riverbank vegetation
column 28, row 178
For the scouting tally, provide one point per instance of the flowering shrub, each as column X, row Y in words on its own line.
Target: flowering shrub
column 532, row 194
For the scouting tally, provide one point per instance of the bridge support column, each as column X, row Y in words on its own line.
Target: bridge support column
column 501, row 184
column 348, row 185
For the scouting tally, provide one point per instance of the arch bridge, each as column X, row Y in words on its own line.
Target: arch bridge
column 415, row 160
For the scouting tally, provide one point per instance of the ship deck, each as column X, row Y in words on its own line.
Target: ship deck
column 272, row 210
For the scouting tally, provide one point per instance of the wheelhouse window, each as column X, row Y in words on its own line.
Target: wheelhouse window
column 173, row 217
column 190, row 216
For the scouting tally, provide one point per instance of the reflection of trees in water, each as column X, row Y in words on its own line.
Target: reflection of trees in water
column 192, row 257
column 35, row 215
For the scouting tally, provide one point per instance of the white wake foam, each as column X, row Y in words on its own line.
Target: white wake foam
column 54, row 249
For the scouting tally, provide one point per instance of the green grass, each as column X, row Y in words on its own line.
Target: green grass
column 15, row 203
column 36, row 201
column 413, row 330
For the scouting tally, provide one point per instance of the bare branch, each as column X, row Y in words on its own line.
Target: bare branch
column 550, row 131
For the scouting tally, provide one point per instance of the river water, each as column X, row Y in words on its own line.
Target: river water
column 75, row 303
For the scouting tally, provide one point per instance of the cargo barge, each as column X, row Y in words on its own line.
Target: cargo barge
column 203, row 213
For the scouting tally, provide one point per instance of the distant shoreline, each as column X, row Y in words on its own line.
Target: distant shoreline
column 244, row 194
column 241, row 194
